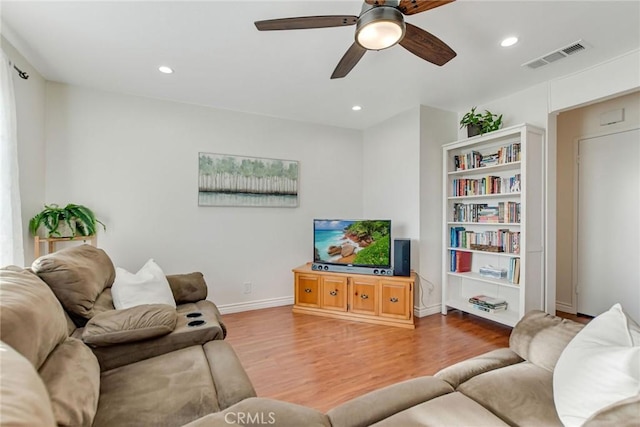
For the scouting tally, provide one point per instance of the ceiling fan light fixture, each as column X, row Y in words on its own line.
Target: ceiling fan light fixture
column 380, row 28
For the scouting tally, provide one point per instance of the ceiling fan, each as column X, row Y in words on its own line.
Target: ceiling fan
column 380, row 25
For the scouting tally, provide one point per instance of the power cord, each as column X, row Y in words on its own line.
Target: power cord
column 431, row 287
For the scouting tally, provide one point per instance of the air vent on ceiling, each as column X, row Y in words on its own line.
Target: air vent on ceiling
column 557, row 54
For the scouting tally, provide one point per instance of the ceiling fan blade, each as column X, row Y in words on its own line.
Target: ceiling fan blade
column 411, row 7
column 427, row 46
column 304, row 22
column 348, row 61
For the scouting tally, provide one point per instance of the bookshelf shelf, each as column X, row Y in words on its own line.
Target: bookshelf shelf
column 485, row 196
column 501, row 224
column 486, row 170
column 507, row 317
column 479, row 278
column 504, row 254
column 521, row 156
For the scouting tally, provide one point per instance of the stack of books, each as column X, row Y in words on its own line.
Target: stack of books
column 487, row 304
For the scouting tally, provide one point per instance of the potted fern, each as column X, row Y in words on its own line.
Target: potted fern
column 70, row 221
column 479, row 124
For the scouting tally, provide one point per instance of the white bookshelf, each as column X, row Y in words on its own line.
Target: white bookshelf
column 457, row 287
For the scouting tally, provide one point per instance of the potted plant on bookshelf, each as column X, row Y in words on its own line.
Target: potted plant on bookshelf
column 70, row 221
column 479, row 124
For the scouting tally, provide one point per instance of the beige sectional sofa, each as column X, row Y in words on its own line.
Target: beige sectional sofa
column 145, row 367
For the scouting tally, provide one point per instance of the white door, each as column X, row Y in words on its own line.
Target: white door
column 608, row 230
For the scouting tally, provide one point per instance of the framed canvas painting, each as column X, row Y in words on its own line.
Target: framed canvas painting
column 229, row 180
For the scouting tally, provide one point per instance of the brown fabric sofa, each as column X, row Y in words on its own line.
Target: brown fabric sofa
column 49, row 376
column 81, row 278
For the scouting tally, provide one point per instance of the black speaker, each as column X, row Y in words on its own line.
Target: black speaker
column 401, row 257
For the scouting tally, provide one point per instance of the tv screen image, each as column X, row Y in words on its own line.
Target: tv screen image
column 364, row 243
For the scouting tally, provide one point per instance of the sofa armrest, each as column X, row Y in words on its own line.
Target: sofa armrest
column 261, row 411
column 231, row 380
column 380, row 404
column 189, row 287
column 463, row 371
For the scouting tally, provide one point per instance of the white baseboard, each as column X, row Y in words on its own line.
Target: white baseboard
column 277, row 302
column 567, row 308
column 255, row 305
column 426, row 311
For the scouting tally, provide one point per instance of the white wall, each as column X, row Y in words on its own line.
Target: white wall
column 391, row 174
column 437, row 127
column 402, row 180
column 30, row 117
column 573, row 125
column 135, row 162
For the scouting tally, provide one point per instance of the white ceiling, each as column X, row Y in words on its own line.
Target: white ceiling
column 221, row 60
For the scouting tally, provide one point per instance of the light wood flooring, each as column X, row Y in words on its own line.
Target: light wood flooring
column 321, row 362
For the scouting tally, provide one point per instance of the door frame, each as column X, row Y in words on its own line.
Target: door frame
column 576, row 183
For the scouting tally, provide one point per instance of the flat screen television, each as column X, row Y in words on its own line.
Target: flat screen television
column 361, row 243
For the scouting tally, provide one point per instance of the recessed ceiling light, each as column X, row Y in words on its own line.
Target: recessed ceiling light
column 509, row 41
column 356, row 108
column 166, row 70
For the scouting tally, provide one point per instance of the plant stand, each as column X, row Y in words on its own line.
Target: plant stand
column 51, row 242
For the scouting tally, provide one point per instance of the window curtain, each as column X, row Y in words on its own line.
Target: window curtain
column 11, row 244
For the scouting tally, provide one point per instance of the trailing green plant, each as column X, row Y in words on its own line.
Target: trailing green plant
column 80, row 219
column 487, row 122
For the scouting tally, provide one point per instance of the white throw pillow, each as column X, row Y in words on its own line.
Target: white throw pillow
column 148, row 286
column 599, row 366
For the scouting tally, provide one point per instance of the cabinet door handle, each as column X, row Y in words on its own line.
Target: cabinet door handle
column 393, row 299
column 307, row 290
column 364, row 296
column 333, row 293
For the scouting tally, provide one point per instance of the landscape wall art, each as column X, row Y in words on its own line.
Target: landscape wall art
column 228, row 180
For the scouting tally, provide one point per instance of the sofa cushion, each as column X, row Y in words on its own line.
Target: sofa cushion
column 72, row 376
column 129, row 325
column 540, row 338
column 624, row 413
column 453, row 409
column 463, row 371
column 599, row 367
column 148, row 286
column 520, row 394
column 383, row 403
column 24, row 402
column 258, row 411
column 189, row 287
column 31, row 319
column 77, row 275
column 168, row 390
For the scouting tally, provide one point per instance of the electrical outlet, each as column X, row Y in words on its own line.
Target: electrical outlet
column 247, row 287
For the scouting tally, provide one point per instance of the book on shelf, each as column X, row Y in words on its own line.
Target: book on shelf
column 513, row 273
column 488, row 302
column 483, row 213
column 487, row 309
column 502, row 240
column 460, row 262
column 486, row 185
column 474, row 159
